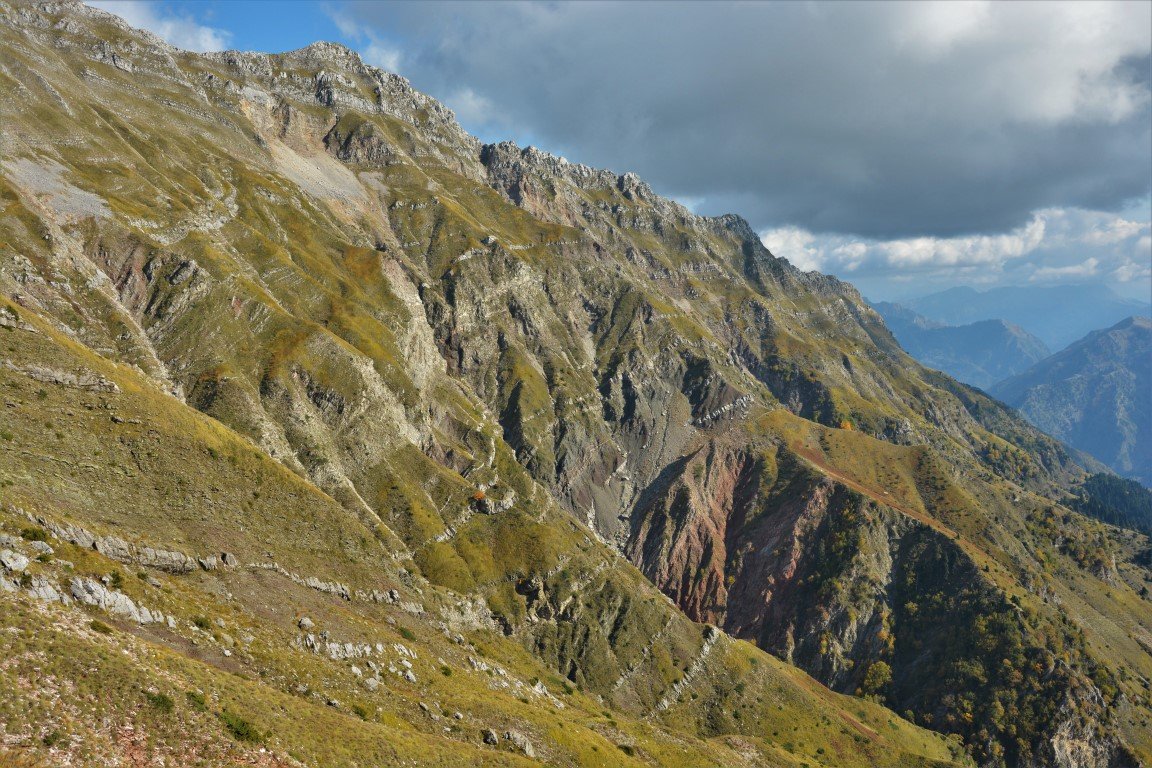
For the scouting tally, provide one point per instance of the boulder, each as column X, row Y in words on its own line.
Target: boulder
column 113, row 547
column 13, row 561
column 166, row 560
column 521, row 742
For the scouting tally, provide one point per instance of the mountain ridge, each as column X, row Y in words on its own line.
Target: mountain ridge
column 1093, row 394
column 980, row 353
column 1058, row 314
column 495, row 373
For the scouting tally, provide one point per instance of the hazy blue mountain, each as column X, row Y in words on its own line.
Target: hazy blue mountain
column 1057, row 314
column 1096, row 395
column 980, row 353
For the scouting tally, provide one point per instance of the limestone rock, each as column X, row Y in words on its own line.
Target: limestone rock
column 114, row 547
column 521, row 742
column 166, row 560
column 90, row 592
column 13, row 562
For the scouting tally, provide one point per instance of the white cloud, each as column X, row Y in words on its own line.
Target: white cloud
column 1086, row 268
column 1056, row 245
column 935, row 28
column 471, row 107
column 182, row 31
column 383, row 56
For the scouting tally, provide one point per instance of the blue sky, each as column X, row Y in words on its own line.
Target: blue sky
column 906, row 147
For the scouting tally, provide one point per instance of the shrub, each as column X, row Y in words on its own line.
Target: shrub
column 32, row 533
column 201, row 622
column 407, row 634
column 241, row 729
column 162, row 702
column 196, row 700
column 101, row 627
column 52, row 738
column 876, row 679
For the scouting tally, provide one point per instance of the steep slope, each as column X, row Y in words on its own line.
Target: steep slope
column 491, row 374
column 979, row 354
column 1095, row 395
column 130, row 638
column 1058, row 314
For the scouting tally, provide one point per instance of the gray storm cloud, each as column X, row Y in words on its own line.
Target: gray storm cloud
column 883, row 120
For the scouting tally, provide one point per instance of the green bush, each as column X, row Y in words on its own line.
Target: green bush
column 101, row 627
column 162, row 702
column 241, row 729
column 32, row 533
column 197, row 701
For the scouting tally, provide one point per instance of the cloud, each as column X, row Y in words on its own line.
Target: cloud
column 1056, row 245
column 1086, row 268
column 889, row 121
column 384, row 56
column 180, row 30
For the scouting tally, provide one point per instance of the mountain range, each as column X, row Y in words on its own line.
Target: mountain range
column 334, row 436
column 1056, row 314
column 1095, row 395
column 980, row 353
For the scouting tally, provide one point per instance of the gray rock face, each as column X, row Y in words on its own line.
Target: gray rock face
column 13, row 561
column 306, row 624
column 85, row 380
column 521, row 742
column 114, row 547
column 42, row 589
column 41, row 547
column 90, row 592
column 166, row 560
column 73, row 534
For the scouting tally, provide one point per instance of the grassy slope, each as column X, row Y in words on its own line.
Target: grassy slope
column 182, row 481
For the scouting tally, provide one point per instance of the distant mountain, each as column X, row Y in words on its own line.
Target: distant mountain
column 1057, row 314
column 1096, row 395
column 980, row 353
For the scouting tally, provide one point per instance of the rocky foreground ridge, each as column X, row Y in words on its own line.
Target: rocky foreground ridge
column 458, row 414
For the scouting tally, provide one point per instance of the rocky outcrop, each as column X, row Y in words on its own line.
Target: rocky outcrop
column 90, row 592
